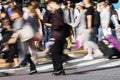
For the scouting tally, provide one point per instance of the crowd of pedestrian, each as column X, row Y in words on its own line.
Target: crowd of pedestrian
column 25, row 29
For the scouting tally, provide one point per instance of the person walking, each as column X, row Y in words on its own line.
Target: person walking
column 57, row 27
column 23, row 43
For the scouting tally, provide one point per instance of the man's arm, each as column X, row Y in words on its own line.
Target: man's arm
column 13, row 38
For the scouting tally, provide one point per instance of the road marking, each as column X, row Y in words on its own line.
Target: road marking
column 49, row 66
column 84, row 64
column 111, row 64
column 80, row 64
column 88, row 63
column 11, row 70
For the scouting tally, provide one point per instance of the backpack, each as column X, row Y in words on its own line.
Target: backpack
column 96, row 19
column 67, row 30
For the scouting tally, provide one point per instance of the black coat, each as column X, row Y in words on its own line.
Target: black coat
column 58, row 24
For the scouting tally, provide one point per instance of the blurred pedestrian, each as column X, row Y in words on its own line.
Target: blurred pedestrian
column 23, row 43
column 59, row 38
column 10, row 52
column 105, row 21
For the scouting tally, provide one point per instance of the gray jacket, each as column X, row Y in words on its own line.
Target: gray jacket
column 66, row 16
column 80, row 23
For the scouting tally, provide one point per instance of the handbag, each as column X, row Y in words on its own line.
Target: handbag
column 26, row 32
column 37, row 37
column 107, row 31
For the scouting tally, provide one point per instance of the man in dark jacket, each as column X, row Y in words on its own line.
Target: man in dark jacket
column 57, row 27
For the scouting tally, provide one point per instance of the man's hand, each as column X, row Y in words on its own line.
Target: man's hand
column 48, row 24
column 89, row 30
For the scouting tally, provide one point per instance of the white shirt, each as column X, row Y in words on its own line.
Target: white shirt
column 105, row 18
column 115, row 21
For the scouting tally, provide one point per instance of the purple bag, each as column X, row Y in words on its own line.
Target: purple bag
column 113, row 41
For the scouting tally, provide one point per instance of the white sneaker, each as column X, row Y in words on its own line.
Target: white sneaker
column 88, row 57
column 97, row 53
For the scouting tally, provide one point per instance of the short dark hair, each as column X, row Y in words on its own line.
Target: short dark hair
column 52, row 1
column 65, row 3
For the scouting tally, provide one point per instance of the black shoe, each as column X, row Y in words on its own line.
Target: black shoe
column 33, row 72
column 69, row 49
column 58, row 73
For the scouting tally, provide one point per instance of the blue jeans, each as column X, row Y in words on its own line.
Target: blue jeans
column 47, row 34
column 114, row 33
column 100, row 34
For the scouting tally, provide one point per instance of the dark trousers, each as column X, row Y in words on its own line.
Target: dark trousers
column 57, row 54
column 47, row 34
column 27, row 58
column 94, row 35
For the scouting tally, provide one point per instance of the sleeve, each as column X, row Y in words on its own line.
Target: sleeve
column 90, row 11
column 18, row 25
column 77, row 22
column 58, row 20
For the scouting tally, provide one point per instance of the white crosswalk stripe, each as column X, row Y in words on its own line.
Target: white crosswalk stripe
column 97, row 63
column 89, row 63
column 49, row 66
column 111, row 64
column 11, row 70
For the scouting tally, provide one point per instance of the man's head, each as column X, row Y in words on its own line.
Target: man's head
column 86, row 1
column 53, row 6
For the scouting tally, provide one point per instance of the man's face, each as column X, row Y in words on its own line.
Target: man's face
column 52, row 6
column 85, row 1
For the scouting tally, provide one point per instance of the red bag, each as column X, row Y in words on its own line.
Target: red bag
column 37, row 37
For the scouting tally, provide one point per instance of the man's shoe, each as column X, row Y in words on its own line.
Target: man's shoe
column 58, row 73
column 33, row 72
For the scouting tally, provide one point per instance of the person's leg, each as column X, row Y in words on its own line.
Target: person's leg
column 100, row 34
column 45, row 35
column 33, row 53
column 57, row 53
column 2, row 61
column 114, row 33
column 16, row 60
column 69, row 43
column 94, row 33
column 89, row 55
column 21, row 53
column 91, row 47
column 27, row 58
column 13, row 55
column 48, row 45
column 97, row 53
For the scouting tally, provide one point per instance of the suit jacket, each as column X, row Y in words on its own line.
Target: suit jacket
column 57, row 25
column 68, row 15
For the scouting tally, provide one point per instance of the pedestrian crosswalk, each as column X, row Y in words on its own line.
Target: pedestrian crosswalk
column 88, row 63
column 111, row 64
column 75, row 63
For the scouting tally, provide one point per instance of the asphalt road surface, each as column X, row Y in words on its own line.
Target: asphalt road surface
column 76, row 69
